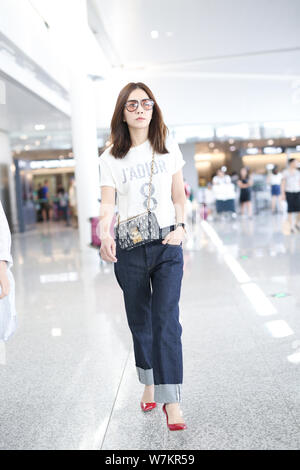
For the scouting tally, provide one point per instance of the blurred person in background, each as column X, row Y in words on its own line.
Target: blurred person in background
column 245, row 183
column 234, row 179
column 39, row 196
column 224, row 192
column 290, row 191
column 63, row 204
column 207, row 202
column 45, row 205
column 73, row 202
column 274, row 179
column 210, row 201
column 187, row 188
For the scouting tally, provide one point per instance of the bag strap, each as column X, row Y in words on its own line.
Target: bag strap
column 150, row 185
column 150, row 182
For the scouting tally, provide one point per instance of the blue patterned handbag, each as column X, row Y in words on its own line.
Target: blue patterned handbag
column 140, row 229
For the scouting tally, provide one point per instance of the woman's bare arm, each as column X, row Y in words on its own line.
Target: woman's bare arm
column 283, row 188
column 178, row 196
column 107, row 210
column 179, row 201
column 241, row 185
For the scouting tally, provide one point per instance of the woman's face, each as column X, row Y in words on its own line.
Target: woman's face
column 294, row 164
column 140, row 117
column 243, row 172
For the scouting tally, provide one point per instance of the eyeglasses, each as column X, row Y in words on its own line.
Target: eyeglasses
column 132, row 105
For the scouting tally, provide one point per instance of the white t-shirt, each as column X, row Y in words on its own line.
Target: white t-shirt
column 221, row 179
column 292, row 180
column 130, row 177
column 276, row 179
column 223, row 188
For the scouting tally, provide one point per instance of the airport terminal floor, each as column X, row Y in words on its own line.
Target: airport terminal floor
column 68, row 378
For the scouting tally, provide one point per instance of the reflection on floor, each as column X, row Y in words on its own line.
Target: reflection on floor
column 68, row 377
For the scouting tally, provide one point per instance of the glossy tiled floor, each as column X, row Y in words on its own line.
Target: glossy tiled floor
column 67, row 376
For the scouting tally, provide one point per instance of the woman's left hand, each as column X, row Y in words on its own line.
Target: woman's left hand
column 175, row 237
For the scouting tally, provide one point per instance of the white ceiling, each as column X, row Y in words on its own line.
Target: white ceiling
column 22, row 110
column 202, row 30
column 225, row 60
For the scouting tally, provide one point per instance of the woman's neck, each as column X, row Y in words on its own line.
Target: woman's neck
column 138, row 136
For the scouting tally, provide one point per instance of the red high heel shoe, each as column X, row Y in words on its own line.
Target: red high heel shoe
column 148, row 406
column 175, row 426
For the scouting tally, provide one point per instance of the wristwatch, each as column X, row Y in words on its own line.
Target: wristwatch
column 181, row 224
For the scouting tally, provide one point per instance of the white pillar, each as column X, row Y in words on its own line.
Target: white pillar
column 76, row 45
column 85, row 149
column 84, row 127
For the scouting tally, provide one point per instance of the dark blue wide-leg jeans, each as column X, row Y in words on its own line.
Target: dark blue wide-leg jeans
column 150, row 277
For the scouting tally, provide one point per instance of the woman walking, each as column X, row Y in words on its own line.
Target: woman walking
column 290, row 191
column 144, row 167
column 245, row 183
column 274, row 179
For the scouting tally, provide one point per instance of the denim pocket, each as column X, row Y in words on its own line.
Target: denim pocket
column 173, row 245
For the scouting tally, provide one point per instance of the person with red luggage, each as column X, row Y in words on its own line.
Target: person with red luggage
column 187, row 189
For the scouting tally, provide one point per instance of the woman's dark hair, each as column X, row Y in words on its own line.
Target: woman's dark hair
column 275, row 170
column 291, row 160
column 247, row 171
column 120, row 136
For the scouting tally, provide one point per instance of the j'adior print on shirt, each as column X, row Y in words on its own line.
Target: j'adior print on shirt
column 130, row 177
column 142, row 171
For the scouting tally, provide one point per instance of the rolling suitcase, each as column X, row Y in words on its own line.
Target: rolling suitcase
column 96, row 242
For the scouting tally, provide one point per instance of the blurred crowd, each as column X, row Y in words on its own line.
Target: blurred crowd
column 59, row 206
column 245, row 194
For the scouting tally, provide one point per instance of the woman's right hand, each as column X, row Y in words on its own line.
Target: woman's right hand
column 108, row 249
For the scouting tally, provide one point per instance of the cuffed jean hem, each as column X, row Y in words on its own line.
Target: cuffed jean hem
column 145, row 376
column 167, row 393
column 163, row 393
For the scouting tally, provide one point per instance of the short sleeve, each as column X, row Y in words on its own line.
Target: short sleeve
column 178, row 162
column 106, row 176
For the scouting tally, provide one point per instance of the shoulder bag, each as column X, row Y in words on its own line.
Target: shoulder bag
column 140, row 229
